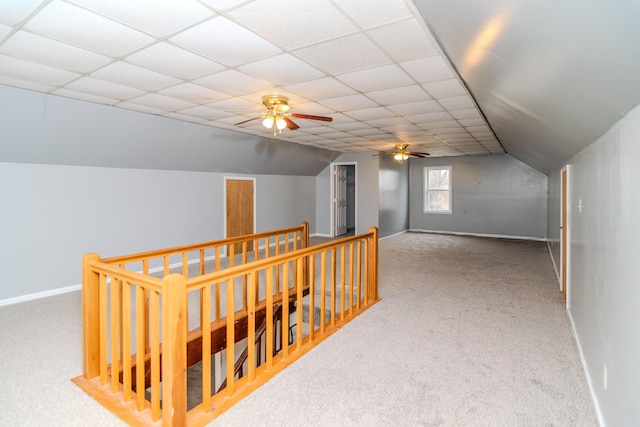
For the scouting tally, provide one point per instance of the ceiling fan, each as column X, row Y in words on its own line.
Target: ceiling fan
column 400, row 154
column 277, row 115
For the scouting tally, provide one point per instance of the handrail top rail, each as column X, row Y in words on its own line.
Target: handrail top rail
column 194, row 246
column 115, row 272
column 239, row 270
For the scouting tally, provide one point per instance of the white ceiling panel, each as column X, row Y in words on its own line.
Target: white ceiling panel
column 159, row 18
column 350, row 53
column 312, row 21
column 370, row 14
column 375, row 79
column 282, row 69
column 34, row 72
column 14, row 12
column 225, row 42
column 77, row 26
column 47, row 51
column 370, row 65
column 134, row 76
column 174, row 61
column 404, row 41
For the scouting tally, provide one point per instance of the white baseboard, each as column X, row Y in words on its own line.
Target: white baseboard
column 58, row 291
column 38, row 295
column 594, row 398
column 495, row 236
column 395, row 234
column 320, row 235
column 555, row 267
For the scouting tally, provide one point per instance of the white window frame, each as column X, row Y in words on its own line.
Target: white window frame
column 427, row 190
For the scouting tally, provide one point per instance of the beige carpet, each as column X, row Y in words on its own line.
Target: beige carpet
column 470, row 331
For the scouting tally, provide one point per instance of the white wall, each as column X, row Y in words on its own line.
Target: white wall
column 604, row 293
column 367, row 193
column 52, row 215
column 491, row 195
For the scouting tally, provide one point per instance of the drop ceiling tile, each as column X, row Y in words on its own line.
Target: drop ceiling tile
column 457, row 102
column 404, row 41
column 375, row 79
column 351, row 102
column 174, row 61
column 204, row 113
column 313, row 108
column 472, row 122
column 446, row 131
column 390, row 120
column 442, row 124
column 142, row 108
column 4, row 31
column 349, row 53
column 233, row 82
column 157, row 17
column 429, row 117
column 335, row 135
column 238, row 105
column 71, row 24
column 161, row 102
column 402, row 95
column 33, row 72
column 480, row 128
column 85, row 96
column 429, row 69
column 368, row 15
column 104, row 88
column 25, row 84
column 415, row 108
column 323, row 88
column 193, row 93
column 369, row 113
column 26, row 45
column 225, row 42
column 134, row 76
column 185, row 118
column 445, row 88
column 223, row 5
column 14, row 12
column 307, row 23
column 281, row 70
column 468, row 113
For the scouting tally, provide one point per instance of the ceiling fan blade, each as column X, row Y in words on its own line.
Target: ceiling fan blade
column 246, row 121
column 413, row 153
column 307, row 116
column 290, row 124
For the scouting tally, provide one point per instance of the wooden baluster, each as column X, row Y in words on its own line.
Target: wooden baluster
column 141, row 345
column 206, row 348
column 251, row 324
column 244, row 277
column 217, row 300
column 311, row 262
column 343, row 292
column 126, row 341
column 333, row 286
column 154, row 331
column 373, row 270
column 103, row 329
column 114, row 327
column 285, row 310
column 299, row 288
column 358, row 272
column 323, row 290
column 231, row 381
column 185, row 264
column 269, row 318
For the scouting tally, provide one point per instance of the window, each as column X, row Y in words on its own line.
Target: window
column 437, row 189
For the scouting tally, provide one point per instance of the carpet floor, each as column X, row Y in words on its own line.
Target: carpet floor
column 469, row 332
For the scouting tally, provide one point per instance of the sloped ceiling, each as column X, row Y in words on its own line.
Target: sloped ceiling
column 550, row 76
column 541, row 79
column 371, row 65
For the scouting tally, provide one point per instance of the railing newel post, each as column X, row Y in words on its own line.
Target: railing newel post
column 90, row 317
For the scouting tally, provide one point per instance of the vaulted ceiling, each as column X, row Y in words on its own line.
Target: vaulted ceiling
column 538, row 79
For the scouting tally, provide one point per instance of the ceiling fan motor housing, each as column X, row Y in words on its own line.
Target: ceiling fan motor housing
column 276, row 103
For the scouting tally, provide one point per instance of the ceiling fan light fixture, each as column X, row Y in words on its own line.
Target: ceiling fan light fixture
column 268, row 122
column 400, row 157
column 280, row 123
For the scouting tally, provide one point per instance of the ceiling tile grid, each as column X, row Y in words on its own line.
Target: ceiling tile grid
column 371, row 65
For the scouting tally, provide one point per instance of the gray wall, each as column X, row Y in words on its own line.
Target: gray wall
column 394, row 196
column 51, row 215
column 604, row 293
column 49, row 129
column 367, row 193
column 492, row 195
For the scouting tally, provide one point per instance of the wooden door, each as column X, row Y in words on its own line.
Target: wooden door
column 239, row 209
column 563, row 237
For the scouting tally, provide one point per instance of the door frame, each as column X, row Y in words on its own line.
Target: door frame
column 224, row 198
column 332, row 202
column 565, row 234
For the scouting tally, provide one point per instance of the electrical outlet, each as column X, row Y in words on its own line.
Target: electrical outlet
column 604, row 376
